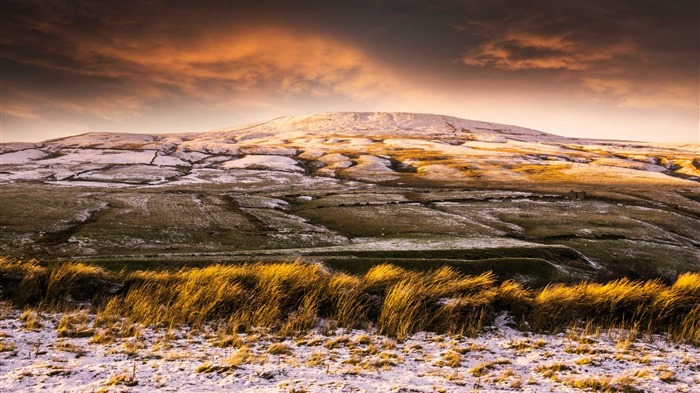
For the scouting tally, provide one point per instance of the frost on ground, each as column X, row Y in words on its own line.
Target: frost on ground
column 501, row 359
column 369, row 147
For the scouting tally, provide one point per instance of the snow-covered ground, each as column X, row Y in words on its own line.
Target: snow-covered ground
column 362, row 146
column 275, row 163
column 501, row 359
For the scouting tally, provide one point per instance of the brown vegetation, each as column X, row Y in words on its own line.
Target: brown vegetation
column 292, row 297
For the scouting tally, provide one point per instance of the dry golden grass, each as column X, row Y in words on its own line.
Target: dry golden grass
column 583, row 349
column 75, row 324
column 316, row 359
column 687, row 283
column 70, row 347
column 7, row 346
column 310, row 342
column 443, row 301
column 132, row 347
column 5, row 309
column 621, row 384
column 354, row 360
column 555, row 367
column 279, row 349
column 31, row 319
column 23, row 282
column 643, row 373
column 483, row 368
column 668, row 376
column 505, row 375
column 369, row 350
column 69, row 283
column 380, row 364
column 364, row 339
column 526, row 345
column 245, row 355
column 388, row 344
column 209, row 367
column 516, row 383
column 384, row 275
column 592, row 383
column 349, row 300
column 451, row 359
column 648, row 306
column 338, row 342
column 290, row 298
column 228, row 342
column 473, row 347
column 126, row 379
column 101, row 337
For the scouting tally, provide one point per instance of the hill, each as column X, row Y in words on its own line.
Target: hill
column 358, row 146
column 356, row 189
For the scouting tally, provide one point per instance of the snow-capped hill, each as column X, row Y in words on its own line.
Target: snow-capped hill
column 367, row 124
column 372, row 123
column 363, row 146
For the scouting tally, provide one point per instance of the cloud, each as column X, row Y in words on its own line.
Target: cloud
column 19, row 110
column 527, row 51
column 239, row 61
column 631, row 53
column 175, row 65
column 646, row 96
column 131, row 63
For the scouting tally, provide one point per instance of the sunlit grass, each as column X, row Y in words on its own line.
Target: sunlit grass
column 291, row 298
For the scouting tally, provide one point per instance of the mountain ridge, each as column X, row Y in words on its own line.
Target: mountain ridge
column 361, row 146
column 494, row 128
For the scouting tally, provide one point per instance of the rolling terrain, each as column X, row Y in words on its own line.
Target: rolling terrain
column 358, row 189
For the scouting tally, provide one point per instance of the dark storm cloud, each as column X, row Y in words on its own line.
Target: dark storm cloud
column 118, row 60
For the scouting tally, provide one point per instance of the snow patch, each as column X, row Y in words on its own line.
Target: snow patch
column 275, row 163
column 21, row 157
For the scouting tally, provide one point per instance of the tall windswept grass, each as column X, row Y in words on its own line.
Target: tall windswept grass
column 292, row 297
column 22, row 281
column 382, row 276
column 77, row 282
column 246, row 295
column 348, row 302
column 650, row 305
column 442, row 300
column 514, row 298
column 29, row 283
column 611, row 303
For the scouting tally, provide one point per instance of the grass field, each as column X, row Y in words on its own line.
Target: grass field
column 639, row 234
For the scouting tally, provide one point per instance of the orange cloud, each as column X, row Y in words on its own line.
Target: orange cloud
column 524, row 51
column 19, row 110
column 248, row 64
column 602, row 69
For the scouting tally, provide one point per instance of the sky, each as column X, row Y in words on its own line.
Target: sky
column 587, row 68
